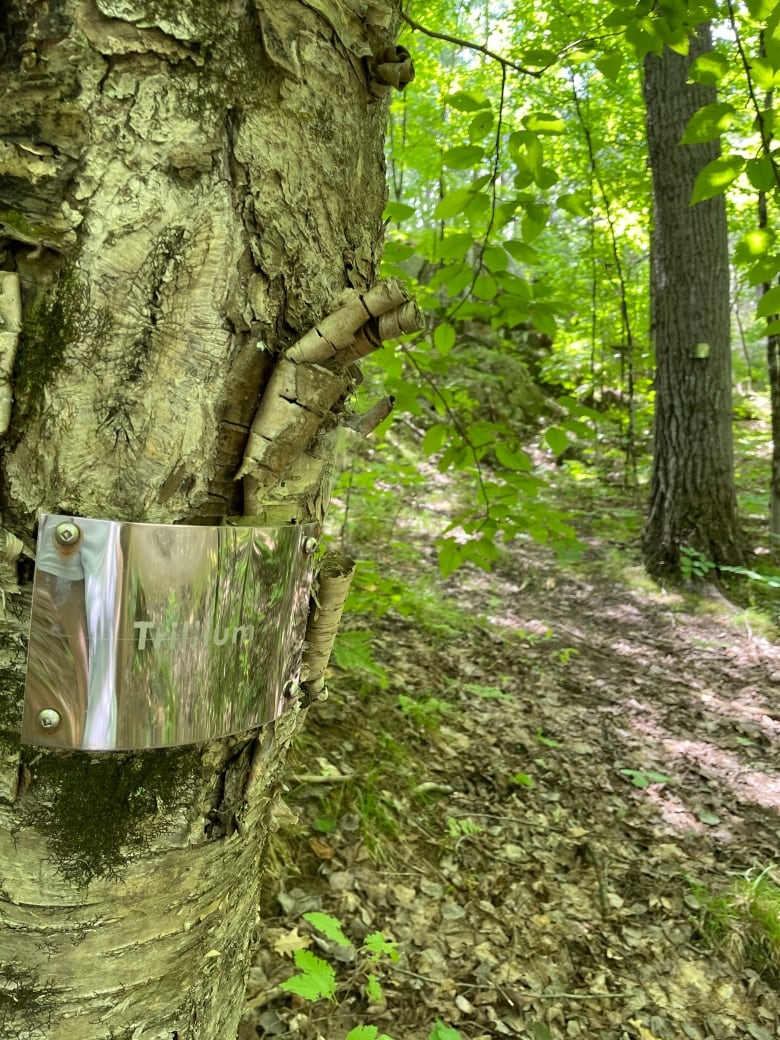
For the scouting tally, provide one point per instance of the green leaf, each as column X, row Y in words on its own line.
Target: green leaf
column 754, row 243
column 521, row 251
column 547, row 741
column 461, row 281
column 485, row 287
column 761, row 174
column 769, row 304
column 379, row 946
column 641, row 34
column 466, row 102
column 444, row 338
column 442, row 1032
column 374, row 990
column 527, row 151
column 449, row 273
column 716, row 177
column 455, row 245
column 352, row 653
column 544, row 320
column 317, row 981
column 708, row 123
column 481, row 125
column 477, row 207
column 610, row 64
column 435, row 438
column 557, row 439
column 543, row 123
column 495, row 258
column 709, row 818
column 539, row 58
column 330, row 927
column 395, row 252
column 398, row 211
column 577, row 203
column 709, row 68
column 366, row 1033
column 521, row 780
column 463, row 156
column 494, row 693
column 450, row 555
column 453, row 203
column 642, row 778
column 534, row 220
column 761, row 9
column 512, row 459
column 763, row 74
column 764, row 270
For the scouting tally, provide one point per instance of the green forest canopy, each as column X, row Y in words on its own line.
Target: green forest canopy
column 520, row 198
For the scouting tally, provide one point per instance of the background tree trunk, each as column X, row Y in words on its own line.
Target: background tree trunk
column 692, row 496
column 184, row 189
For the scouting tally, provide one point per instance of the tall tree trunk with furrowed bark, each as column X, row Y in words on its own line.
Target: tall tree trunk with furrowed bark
column 692, row 495
column 185, row 190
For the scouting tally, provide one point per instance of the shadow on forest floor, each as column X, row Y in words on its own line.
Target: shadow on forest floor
column 526, row 806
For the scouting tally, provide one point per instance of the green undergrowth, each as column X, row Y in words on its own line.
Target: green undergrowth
column 742, row 922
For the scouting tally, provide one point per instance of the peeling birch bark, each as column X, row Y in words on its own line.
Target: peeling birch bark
column 333, row 581
column 171, row 234
column 10, row 327
column 301, row 392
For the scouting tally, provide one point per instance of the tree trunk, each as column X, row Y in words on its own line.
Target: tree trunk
column 692, row 495
column 773, row 369
column 184, row 190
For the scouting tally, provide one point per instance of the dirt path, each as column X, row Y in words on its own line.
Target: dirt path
column 488, row 825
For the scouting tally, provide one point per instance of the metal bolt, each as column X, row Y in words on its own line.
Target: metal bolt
column 291, row 689
column 310, row 546
column 67, row 533
column 49, row 718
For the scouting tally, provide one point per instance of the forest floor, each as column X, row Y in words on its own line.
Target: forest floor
column 529, row 793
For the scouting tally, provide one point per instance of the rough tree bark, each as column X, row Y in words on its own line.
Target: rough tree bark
column 185, row 189
column 692, row 495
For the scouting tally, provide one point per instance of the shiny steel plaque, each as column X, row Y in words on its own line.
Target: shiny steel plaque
column 151, row 635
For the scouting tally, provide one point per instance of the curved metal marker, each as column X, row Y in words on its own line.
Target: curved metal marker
column 152, row 635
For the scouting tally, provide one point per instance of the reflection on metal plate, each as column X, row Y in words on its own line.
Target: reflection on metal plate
column 149, row 635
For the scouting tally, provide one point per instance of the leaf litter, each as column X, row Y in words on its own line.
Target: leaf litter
column 531, row 840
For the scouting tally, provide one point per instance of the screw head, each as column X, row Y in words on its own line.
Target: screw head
column 67, row 533
column 310, row 545
column 49, row 719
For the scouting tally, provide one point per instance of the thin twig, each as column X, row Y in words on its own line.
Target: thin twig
column 470, row 45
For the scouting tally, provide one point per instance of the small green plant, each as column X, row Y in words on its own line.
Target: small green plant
column 352, row 653
column 693, row 564
column 546, row 741
column 744, row 922
column 462, row 826
column 317, row 978
column 645, row 777
column 425, row 711
column 565, row 654
column 488, row 693
column 442, row 1032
